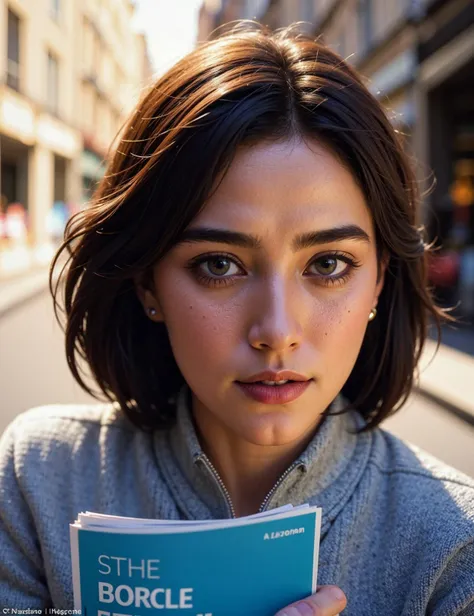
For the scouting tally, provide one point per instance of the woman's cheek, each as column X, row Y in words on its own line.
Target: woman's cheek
column 200, row 334
column 342, row 335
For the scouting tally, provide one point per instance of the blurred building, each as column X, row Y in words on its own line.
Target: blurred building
column 40, row 141
column 71, row 70
column 112, row 67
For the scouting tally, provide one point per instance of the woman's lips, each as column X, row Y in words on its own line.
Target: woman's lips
column 274, row 394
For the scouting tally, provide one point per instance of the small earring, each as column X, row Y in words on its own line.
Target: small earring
column 152, row 311
column 373, row 314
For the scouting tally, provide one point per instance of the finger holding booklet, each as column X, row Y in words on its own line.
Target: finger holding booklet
column 133, row 566
column 246, row 295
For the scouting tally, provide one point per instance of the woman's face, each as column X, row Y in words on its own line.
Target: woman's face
column 285, row 280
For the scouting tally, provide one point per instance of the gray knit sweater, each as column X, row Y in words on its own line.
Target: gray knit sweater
column 398, row 526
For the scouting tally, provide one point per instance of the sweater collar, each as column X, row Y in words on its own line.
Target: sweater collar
column 325, row 474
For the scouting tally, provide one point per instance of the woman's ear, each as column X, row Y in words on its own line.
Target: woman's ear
column 148, row 300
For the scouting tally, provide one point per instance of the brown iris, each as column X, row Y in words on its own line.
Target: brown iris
column 326, row 265
column 218, row 265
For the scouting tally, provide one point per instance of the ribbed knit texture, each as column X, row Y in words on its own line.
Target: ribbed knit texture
column 398, row 525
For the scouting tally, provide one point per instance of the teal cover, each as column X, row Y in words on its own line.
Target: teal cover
column 253, row 568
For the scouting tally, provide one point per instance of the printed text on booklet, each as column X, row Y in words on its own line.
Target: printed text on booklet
column 139, row 596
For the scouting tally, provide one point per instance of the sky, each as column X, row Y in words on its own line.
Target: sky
column 170, row 27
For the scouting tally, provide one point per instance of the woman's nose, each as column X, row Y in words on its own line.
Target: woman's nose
column 275, row 324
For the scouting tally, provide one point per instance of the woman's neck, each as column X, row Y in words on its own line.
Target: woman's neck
column 249, row 471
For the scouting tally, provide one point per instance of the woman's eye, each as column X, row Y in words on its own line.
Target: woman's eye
column 219, row 266
column 329, row 265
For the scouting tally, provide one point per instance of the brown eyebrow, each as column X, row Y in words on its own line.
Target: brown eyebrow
column 244, row 240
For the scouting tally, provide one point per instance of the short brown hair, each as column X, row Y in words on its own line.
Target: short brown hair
column 247, row 85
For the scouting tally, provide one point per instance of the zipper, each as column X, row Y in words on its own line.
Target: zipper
column 282, row 478
column 225, row 492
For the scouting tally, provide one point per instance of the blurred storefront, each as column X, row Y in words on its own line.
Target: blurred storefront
column 37, row 153
column 446, row 140
column 14, row 157
column 17, row 139
column 71, row 72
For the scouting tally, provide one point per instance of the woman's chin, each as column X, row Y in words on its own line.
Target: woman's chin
column 270, row 431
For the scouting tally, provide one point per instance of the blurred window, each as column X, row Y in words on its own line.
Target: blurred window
column 55, row 9
column 52, row 82
column 365, row 24
column 13, row 52
column 88, row 47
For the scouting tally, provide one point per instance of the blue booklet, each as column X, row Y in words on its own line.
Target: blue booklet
column 253, row 565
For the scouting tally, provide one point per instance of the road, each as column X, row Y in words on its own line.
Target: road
column 33, row 371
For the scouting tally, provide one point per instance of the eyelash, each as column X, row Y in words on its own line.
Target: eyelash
column 211, row 281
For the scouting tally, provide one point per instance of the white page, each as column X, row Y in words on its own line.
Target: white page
column 89, row 519
column 184, row 528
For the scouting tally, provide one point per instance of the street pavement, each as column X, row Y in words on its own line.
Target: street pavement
column 436, row 430
column 33, row 371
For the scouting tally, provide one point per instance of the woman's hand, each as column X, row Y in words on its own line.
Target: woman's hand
column 328, row 601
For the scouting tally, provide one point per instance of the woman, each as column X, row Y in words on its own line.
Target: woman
column 249, row 290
